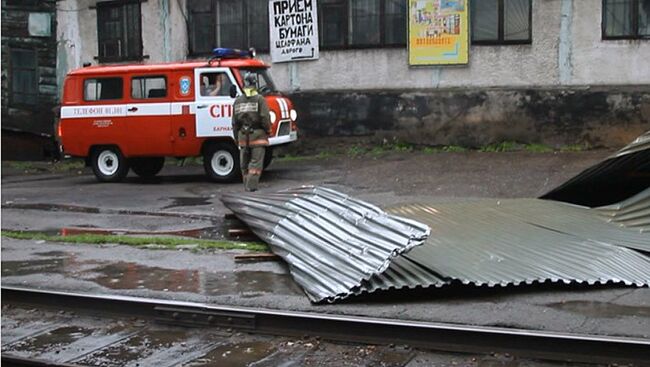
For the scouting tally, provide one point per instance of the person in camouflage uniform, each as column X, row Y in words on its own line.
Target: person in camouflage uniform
column 251, row 126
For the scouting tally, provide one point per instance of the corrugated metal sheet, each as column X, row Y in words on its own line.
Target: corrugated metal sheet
column 332, row 242
column 621, row 175
column 633, row 213
column 503, row 242
column 337, row 246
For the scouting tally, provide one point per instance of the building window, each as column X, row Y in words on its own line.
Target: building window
column 361, row 23
column 332, row 24
column 119, row 31
column 626, row 19
column 342, row 24
column 394, row 22
column 148, row 87
column 102, row 89
column 501, row 22
column 23, row 65
column 228, row 23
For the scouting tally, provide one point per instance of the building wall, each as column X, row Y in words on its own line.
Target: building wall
column 37, row 118
column 568, row 86
column 575, row 49
column 598, row 62
column 164, row 32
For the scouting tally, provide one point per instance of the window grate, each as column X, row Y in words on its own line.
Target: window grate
column 119, row 31
column 501, row 22
column 23, row 65
column 626, row 19
column 342, row 24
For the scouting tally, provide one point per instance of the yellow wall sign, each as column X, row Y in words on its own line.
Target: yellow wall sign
column 438, row 32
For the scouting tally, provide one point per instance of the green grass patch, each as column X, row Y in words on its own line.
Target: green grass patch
column 160, row 242
column 22, row 166
column 356, row 151
column 69, row 165
column 575, row 148
column 293, row 158
column 538, row 148
column 444, row 149
column 183, row 162
column 504, row 146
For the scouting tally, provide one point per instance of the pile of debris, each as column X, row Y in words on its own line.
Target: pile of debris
column 337, row 246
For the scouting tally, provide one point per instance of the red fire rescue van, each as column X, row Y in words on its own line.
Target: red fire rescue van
column 133, row 116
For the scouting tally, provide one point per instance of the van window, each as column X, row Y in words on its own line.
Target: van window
column 102, row 88
column 148, row 87
column 215, row 84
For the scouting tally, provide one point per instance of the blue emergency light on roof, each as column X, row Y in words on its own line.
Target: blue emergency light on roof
column 232, row 53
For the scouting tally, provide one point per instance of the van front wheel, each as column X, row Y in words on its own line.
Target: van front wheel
column 109, row 165
column 221, row 162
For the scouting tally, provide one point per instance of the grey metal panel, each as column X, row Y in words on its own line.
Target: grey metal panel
column 332, row 242
column 503, row 242
column 337, row 246
column 633, row 213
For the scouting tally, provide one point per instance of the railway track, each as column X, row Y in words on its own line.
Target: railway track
column 212, row 320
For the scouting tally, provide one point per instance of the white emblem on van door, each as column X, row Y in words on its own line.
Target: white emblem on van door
column 184, row 85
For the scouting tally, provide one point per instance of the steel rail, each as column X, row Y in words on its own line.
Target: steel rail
column 436, row 336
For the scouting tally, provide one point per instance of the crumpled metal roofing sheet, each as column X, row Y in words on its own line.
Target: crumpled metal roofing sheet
column 633, row 213
column 504, row 242
column 336, row 246
column 621, row 175
column 332, row 242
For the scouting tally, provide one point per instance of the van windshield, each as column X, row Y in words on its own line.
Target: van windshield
column 264, row 82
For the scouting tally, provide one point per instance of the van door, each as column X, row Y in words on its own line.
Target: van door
column 149, row 116
column 213, row 104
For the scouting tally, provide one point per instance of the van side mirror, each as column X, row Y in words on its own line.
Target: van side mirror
column 233, row 91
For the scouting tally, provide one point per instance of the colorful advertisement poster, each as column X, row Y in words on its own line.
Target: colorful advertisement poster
column 293, row 30
column 438, row 32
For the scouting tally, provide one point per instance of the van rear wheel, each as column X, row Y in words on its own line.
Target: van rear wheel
column 109, row 165
column 221, row 162
column 147, row 166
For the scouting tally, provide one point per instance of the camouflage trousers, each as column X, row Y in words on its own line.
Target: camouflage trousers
column 252, row 162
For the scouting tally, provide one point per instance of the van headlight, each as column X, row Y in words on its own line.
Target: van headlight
column 272, row 116
column 293, row 114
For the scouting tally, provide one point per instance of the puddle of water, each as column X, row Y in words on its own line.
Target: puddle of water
column 128, row 275
column 601, row 309
column 234, row 355
column 135, row 348
column 125, row 275
column 53, row 340
column 187, row 201
column 250, row 284
column 53, row 207
column 19, row 268
column 52, row 254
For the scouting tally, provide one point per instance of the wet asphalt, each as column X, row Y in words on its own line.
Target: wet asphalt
column 182, row 199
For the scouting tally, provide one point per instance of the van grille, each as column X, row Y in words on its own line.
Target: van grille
column 285, row 128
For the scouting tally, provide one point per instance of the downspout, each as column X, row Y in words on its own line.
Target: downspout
column 565, row 49
column 166, row 28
